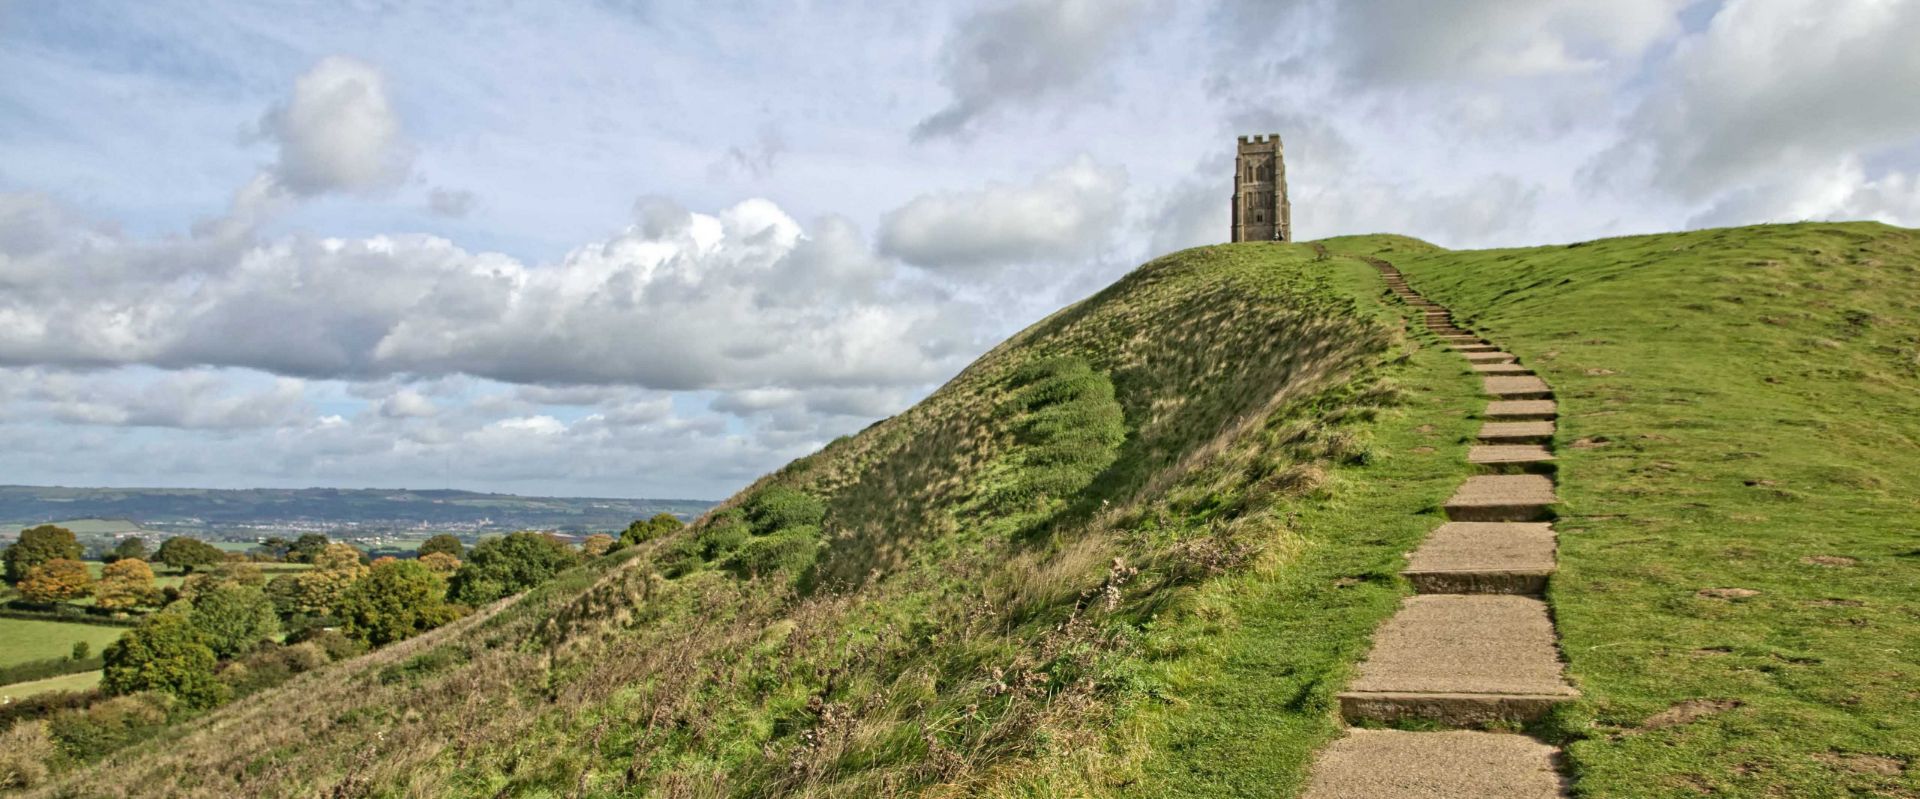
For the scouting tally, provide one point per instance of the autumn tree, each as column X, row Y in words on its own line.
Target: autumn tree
column 440, row 563
column 38, row 545
column 57, row 580
column 339, row 557
column 395, row 601
column 596, row 545
column 166, row 652
column 124, row 584
column 444, row 542
column 186, row 553
column 643, row 530
column 316, row 592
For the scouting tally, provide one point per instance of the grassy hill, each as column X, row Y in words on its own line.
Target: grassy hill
column 1136, row 549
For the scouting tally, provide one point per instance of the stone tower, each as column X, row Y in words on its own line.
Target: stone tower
column 1260, row 208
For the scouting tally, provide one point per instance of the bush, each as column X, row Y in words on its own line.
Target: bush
column 336, row 645
column 790, row 551
column 777, row 508
column 642, row 531
column 25, row 751
column 510, row 564
column 106, row 726
column 596, row 545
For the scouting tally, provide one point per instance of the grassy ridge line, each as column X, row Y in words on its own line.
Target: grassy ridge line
column 945, row 653
column 1738, row 413
column 1252, row 666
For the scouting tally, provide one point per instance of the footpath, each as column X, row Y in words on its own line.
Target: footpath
column 1474, row 649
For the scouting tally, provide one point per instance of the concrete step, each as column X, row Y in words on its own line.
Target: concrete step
column 1453, row 764
column 1503, row 498
column 1521, row 410
column 1506, row 456
column 1463, row 348
column 1460, row 659
column 1483, row 558
column 1489, row 357
column 1501, row 369
column 1536, row 432
column 1516, row 388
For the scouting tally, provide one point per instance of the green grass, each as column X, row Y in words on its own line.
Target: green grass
column 29, row 640
column 1740, row 409
column 1261, row 655
column 82, row 681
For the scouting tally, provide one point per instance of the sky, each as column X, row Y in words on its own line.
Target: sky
column 656, row 249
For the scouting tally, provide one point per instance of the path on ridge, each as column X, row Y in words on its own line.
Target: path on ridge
column 1474, row 648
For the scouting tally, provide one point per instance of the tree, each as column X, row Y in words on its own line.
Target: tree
column 395, row 601
column 642, row 531
column 233, row 618
column 56, row 580
column 444, row 542
column 508, row 565
column 306, row 547
column 339, row 557
column 39, row 545
column 275, row 547
column 165, row 653
column 596, row 545
column 440, row 563
column 124, row 584
column 186, row 554
column 133, row 547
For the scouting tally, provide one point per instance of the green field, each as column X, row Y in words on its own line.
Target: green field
column 29, row 640
column 70, row 682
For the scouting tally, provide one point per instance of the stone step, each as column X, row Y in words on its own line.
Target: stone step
column 1483, row 558
column 1474, row 348
column 1509, row 455
column 1535, row 432
column 1503, row 498
column 1516, row 388
column 1465, row 338
column 1452, row 764
column 1489, row 357
column 1466, row 660
column 1522, row 410
column 1501, row 369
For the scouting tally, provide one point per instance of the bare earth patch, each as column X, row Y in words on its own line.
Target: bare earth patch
column 1830, row 560
column 1836, row 603
column 1864, row 764
column 1727, row 593
column 1594, row 442
column 1688, row 711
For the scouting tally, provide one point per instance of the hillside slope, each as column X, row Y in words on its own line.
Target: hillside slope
column 1739, row 584
column 960, row 599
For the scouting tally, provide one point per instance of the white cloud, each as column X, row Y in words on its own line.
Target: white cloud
column 338, row 132
column 1070, row 211
column 1022, row 52
column 407, row 404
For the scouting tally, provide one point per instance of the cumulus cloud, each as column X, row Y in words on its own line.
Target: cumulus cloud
column 1022, row 52
column 742, row 297
column 1774, row 87
column 337, row 132
column 1071, row 210
column 198, row 399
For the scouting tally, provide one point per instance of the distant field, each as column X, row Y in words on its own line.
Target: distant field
column 69, row 682
column 28, row 640
column 101, row 526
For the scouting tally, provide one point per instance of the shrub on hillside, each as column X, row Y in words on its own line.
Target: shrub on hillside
column 106, row 726
column 25, row 751
column 644, row 530
column 596, row 545
column 790, row 551
column 38, row 545
column 512, row 563
column 335, row 644
column 713, row 542
column 777, row 508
